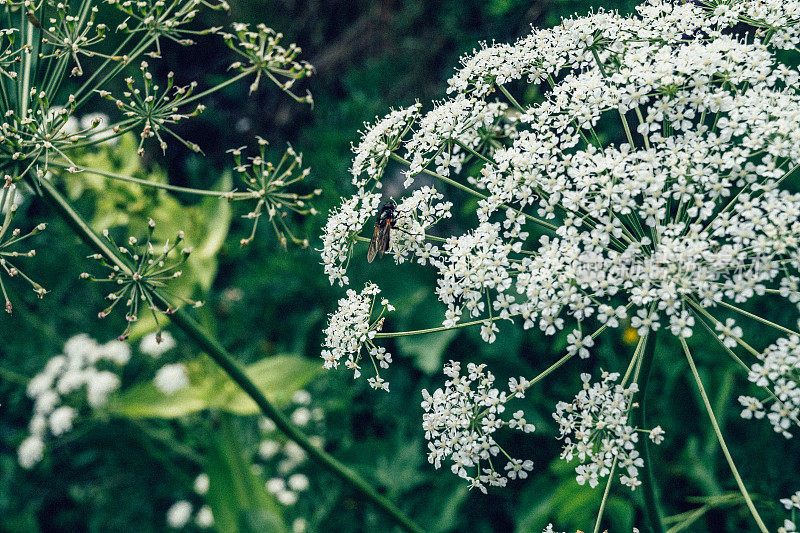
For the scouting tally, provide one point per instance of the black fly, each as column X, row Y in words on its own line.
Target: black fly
column 379, row 244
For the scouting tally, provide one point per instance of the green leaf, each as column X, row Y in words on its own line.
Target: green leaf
column 145, row 400
column 238, row 498
column 278, row 377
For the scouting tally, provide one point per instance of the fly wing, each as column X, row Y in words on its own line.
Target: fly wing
column 374, row 243
column 384, row 242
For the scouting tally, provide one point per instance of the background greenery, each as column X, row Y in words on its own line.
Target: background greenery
column 122, row 472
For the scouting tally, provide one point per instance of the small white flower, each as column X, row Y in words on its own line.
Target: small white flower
column 268, row 448
column 30, row 451
column 301, row 397
column 204, row 518
column 178, row 514
column 286, row 497
column 657, row 435
column 60, row 420
column 792, row 502
column 276, row 485
column 299, row 525
column 117, row 351
column 100, row 386
column 266, row 425
column 301, row 416
column 298, row 482
column 201, row 484
column 171, row 378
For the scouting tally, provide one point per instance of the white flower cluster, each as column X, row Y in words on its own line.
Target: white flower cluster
column 418, row 212
column 79, row 368
column 85, row 374
column 284, row 457
column 792, row 503
column 180, row 513
column 351, row 331
column 779, row 373
column 688, row 212
column 459, row 422
column 171, row 378
column 595, row 429
column 340, row 233
column 378, row 142
column 444, row 136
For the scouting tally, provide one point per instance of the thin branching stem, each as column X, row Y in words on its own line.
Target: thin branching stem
column 721, row 440
column 232, row 368
column 652, row 511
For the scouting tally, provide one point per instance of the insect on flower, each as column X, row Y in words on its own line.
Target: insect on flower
column 380, row 243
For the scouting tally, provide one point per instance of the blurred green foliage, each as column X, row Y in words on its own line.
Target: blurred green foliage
column 122, row 472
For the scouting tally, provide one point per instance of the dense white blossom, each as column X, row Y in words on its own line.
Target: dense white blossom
column 83, row 377
column 178, row 514
column 688, row 212
column 340, row 231
column 30, row 451
column 682, row 220
column 350, row 333
column 778, row 372
column 204, row 518
column 378, row 142
column 459, row 422
column 595, row 430
column 81, row 367
column 418, row 212
column 201, row 484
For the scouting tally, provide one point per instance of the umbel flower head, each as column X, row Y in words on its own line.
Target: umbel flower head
column 9, row 238
column 48, row 42
column 351, row 331
column 269, row 185
column 262, row 54
column 140, row 276
column 460, row 420
column 85, row 373
column 595, row 429
column 674, row 225
column 156, row 109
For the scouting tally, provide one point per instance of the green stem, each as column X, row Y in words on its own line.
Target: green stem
column 511, row 98
column 652, row 513
column 721, row 440
column 758, row 318
column 605, row 497
column 432, row 330
column 158, row 185
column 235, row 371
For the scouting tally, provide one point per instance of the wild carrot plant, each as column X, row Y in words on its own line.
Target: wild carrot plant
column 676, row 227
